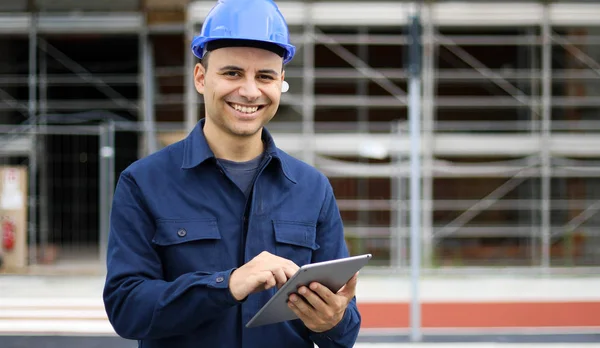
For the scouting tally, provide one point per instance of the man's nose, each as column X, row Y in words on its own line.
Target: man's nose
column 249, row 90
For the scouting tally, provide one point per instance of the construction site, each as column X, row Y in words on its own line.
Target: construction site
column 509, row 161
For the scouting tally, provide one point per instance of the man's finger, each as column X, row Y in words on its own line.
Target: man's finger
column 324, row 293
column 279, row 275
column 290, row 271
column 314, row 299
column 271, row 281
column 301, row 305
column 349, row 289
column 266, row 279
column 292, row 266
column 301, row 315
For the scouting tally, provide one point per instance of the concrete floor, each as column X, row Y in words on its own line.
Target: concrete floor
column 114, row 342
column 38, row 300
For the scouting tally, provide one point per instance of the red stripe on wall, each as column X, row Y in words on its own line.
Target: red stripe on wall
column 483, row 314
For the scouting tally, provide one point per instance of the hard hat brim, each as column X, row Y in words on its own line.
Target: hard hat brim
column 199, row 44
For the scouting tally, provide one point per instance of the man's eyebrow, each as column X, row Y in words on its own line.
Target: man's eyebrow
column 268, row 71
column 231, row 67
column 237, row 68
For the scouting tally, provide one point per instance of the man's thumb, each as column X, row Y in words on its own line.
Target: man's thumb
column 349, row 288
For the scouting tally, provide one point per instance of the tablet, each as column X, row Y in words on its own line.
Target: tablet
column 333, row 274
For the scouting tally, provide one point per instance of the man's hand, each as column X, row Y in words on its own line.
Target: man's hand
column 319, row 308
column 261, row 273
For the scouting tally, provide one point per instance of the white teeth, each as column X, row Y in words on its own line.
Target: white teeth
column 245, row 109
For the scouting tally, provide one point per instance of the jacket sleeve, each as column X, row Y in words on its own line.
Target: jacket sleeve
column 330, row 237
column 140, row 304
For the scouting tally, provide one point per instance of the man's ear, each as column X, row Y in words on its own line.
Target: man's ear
column 199, row 77
column 284, row 85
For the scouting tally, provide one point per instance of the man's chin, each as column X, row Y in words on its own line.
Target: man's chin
column 246, row 132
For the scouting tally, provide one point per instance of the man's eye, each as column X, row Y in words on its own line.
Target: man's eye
column 232, row 73
column 266, row 77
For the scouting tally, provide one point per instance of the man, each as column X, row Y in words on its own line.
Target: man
column 204, row 231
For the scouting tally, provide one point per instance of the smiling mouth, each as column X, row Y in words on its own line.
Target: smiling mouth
column 245, row 109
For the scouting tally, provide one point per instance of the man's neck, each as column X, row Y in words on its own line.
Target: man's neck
column 232, row 148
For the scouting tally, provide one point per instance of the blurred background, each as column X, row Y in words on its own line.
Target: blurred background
column 509, row 168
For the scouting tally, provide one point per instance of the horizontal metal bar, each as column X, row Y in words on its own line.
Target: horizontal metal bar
column 487, row 40
column 344, row 101
column 325, row 74
column 462, row 102
column 14, row 23
column 441, row 75
column 376, row 128
column 510, row 204
column 465, row 174
column 366, row 204
column 119, row 126
column 68, row 79
column 166, row 28
column 372, row 128
column 275, row 127
column 461, row 14
column 441, row 126
column 378, row 205
column 169, row 71
column 61, row 80
column 366, row 40
column 397, row 39
column 509, row 40
column 394, row 39
column 80, row 104
column 501, row 270
column 455, row 75
column 25, row 132
column 346, row 73
column 512, row 126
column 90, row 23
column 481, row 231
column 73, row 23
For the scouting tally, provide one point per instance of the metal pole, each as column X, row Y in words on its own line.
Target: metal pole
column 191, row 95
column 104, row 151
column 403, row 206
column 362, row 89
column 43, row 160
column 308, row 88
column 534, row 127
column 545, row 138
column 398, row 247
column 107, row 184
column 148, row 91
column 32, row 228
column 428, row 55
column 111, row 164
column 414, row 108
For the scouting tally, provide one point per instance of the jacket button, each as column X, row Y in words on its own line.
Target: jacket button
column 220, row 279
column 181, row 233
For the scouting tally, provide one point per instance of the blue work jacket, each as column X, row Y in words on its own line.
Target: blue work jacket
column 179, row 226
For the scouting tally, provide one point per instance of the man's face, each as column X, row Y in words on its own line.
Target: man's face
column 241, row 88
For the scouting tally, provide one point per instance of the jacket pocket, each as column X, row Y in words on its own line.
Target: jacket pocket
column 189, row 245
column 296, row 240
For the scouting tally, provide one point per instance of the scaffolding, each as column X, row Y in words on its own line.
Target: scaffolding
column 510, row 157
column 32, row 125
column 508, row 126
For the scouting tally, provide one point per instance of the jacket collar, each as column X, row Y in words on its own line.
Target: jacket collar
column 196, row 150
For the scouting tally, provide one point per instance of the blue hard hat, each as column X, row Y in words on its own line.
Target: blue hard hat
column 257, row 21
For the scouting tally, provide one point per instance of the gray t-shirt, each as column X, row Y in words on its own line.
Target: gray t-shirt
column 242, row 173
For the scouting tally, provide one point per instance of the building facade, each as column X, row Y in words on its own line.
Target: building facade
column 509, row 115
